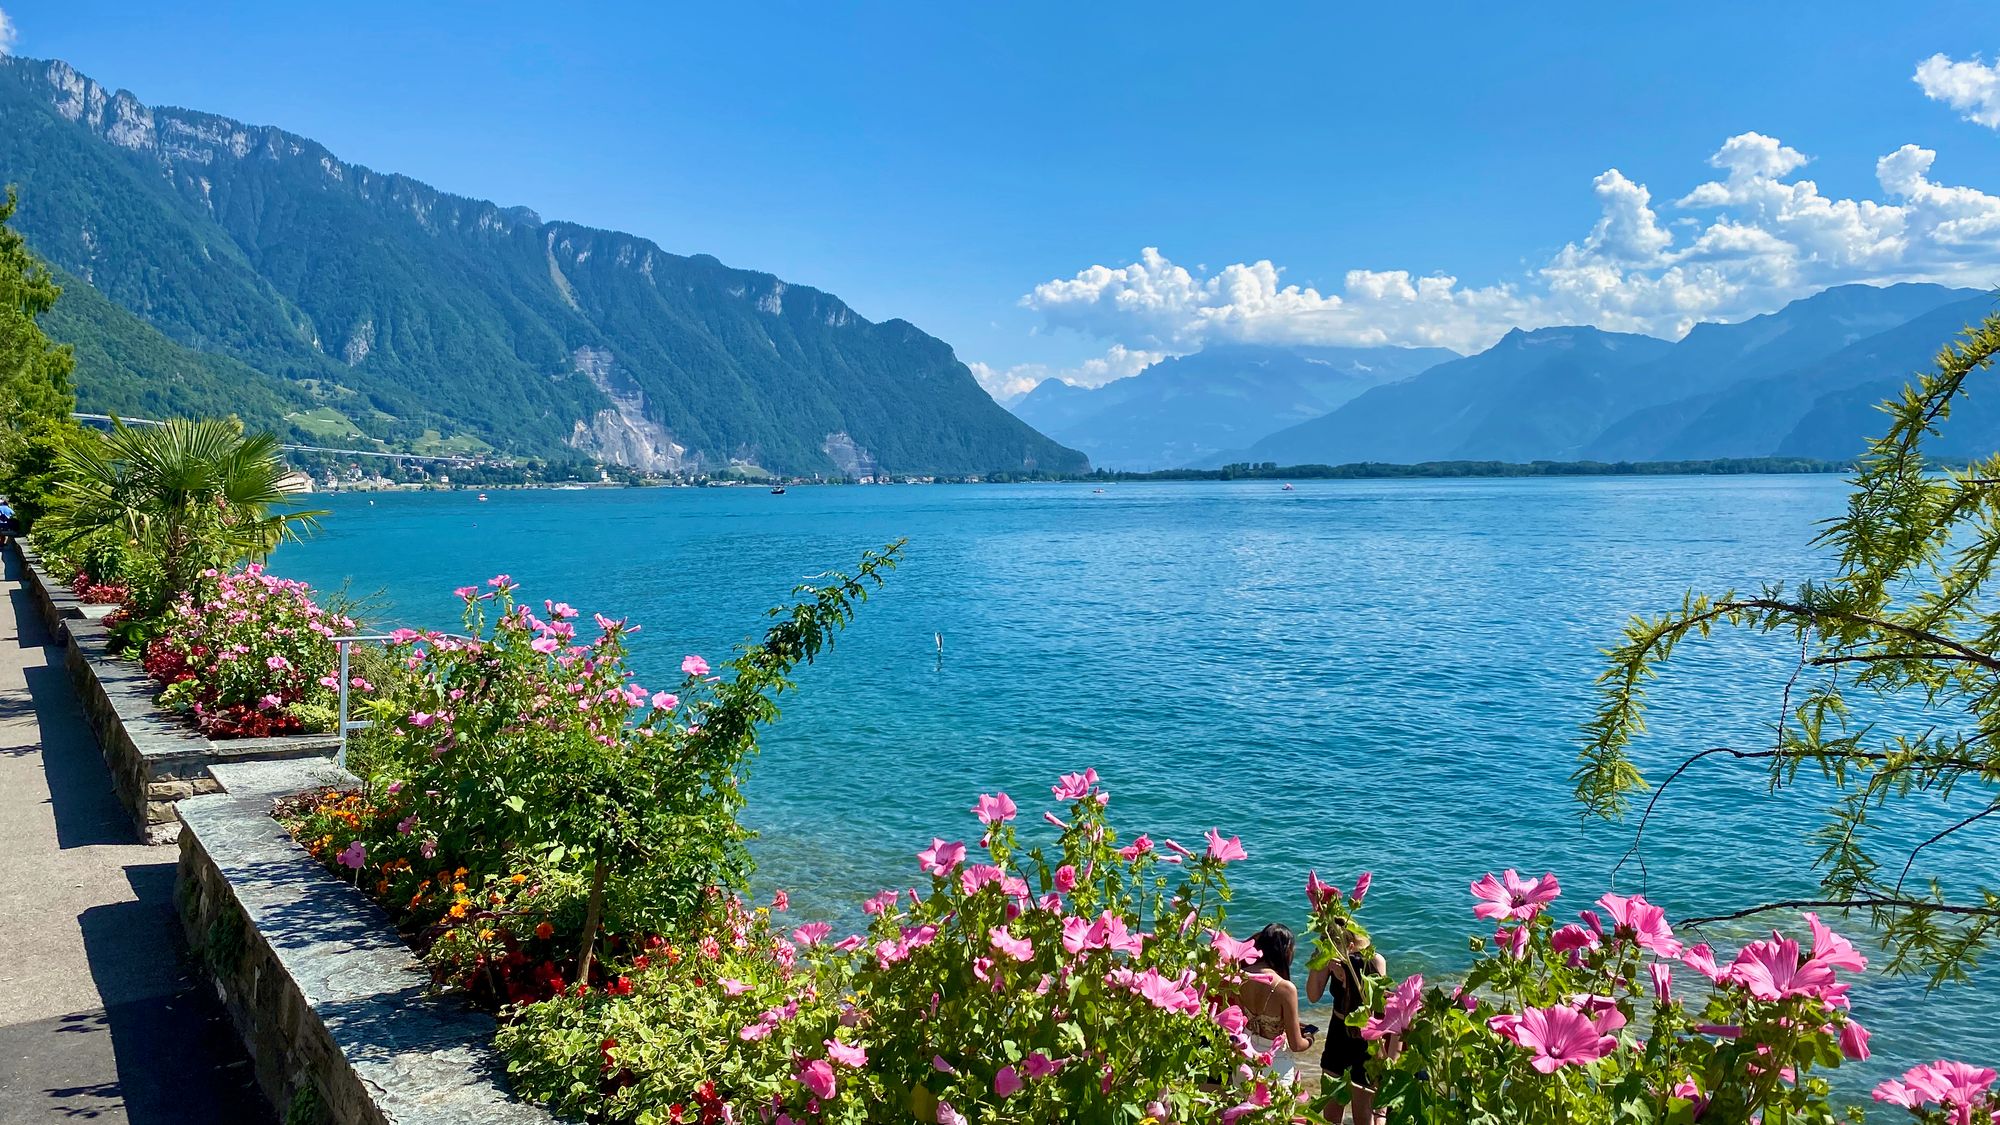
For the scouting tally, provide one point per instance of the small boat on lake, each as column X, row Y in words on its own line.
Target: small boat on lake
column 778, row 491
column 1288, row 487
column 482, row 498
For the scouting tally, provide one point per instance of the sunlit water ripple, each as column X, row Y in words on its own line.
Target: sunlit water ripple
column 1383, row 675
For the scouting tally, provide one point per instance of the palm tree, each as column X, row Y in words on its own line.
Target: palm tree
column 186, row 496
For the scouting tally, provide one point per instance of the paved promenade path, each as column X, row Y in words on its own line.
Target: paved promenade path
column 100, row 1021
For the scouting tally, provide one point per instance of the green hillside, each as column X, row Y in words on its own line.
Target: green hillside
column 352, row 298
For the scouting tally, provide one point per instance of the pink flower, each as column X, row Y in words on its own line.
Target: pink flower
column 881, row 901
column 1074, row 786
column 732, row 986
column 978, row 875
column 1402, row 1006
column 1559, row 1036
column 500, row 581
column 940, row 857
column 355, row 855
column 1007, row 1083
column 269, row 703
column 847, row 1054
column 466, row 592
column 1039, row 1065
column 1065, row 878
column 1225, row 851
column 949, row 1116
column 1230, row 951
column 1019, row 948
column 1702, row 960
column 1572, row 939
column 994, row 808
column 1318, row 890
column 1832, row 950
column 812, row 933
column 1854, row 1040
column 1361, row 886
column 694, row 665
column 1663, row 980
column 1138, row 847
column 1771, row 970
column 546, row 644
column 1953, row 1085
column 1643, row 922
column 1513, row 939
column 817, row 1076
column 1515, row 900
column 276, row 663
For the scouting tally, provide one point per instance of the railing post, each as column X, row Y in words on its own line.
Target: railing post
column 340, row 756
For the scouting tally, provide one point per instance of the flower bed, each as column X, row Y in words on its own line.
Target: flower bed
column 560, row 845
column 92, row 592
column 249, row 655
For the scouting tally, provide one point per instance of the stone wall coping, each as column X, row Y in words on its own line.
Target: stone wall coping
column 423, row 1060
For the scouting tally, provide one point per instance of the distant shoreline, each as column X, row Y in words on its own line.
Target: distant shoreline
column 1363, row 470
column 1380, row 470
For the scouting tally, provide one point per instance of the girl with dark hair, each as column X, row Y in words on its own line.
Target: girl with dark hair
column 1346, row 1051
column 1271, row 1001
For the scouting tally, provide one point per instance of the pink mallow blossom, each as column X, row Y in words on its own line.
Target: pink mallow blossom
column 994, row 808
column 1773, row 970
column 1643, row 922
column 1225, row 851
column 847, row 1054
column 1402, row 1006
column 1957, row 1087
column 817, row 1077
column 1514, row 899
column 694, row 665
column 1018, row 948
column 941, row 857
column 1559, row 1036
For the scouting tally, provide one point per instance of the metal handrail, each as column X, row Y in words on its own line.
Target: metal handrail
column 342, row 643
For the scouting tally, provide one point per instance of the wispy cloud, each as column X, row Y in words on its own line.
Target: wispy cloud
column 7, row 33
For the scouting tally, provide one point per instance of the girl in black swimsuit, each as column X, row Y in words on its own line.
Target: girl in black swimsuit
column 1345, row 1051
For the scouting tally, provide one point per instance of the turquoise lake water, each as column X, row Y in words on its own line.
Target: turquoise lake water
column 1382, row 675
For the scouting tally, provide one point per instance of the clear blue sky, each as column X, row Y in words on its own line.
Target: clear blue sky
column 937, row 161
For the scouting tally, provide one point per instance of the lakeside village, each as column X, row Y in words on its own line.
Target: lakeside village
column 553, row 844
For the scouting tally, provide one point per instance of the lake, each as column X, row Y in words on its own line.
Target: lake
column 1381, row 675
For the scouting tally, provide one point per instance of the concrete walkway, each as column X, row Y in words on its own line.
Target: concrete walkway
column 99, row 1019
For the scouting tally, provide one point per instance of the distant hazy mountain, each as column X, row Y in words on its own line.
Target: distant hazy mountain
column 1184, row 410
column 1725, row 390
column 344, row 302
column 1534, row 395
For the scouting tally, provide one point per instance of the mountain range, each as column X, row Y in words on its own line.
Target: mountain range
column 1184, row 410
column 213, row 266
column 1803, row 381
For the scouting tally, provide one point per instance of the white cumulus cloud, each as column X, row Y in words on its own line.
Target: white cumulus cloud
column 1971, row 87
column 7, row 33
column 1742, row 244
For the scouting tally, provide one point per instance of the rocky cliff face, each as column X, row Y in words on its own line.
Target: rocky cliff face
column 409, row 308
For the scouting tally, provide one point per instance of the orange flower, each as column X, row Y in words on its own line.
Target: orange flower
column 545, row 931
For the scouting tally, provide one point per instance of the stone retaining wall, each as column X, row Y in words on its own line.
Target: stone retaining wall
column 331, row 1005
column 156, row 759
